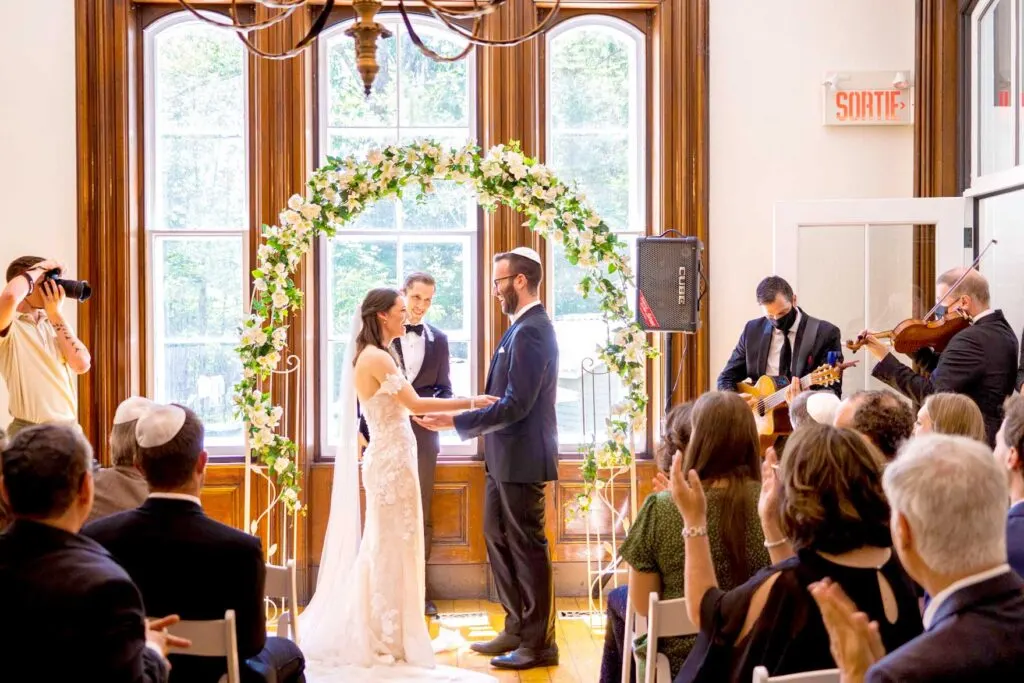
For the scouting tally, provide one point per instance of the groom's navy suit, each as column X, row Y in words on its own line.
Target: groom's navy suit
column 521, row 453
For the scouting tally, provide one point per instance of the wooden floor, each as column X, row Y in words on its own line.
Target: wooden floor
column 579, row 643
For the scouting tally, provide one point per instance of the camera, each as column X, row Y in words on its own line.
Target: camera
column 76, row 289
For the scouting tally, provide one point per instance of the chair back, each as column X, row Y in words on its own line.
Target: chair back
column 213, row 638
column 281, row 582
column 820, row 676
column 665, row 619
column 636, row 625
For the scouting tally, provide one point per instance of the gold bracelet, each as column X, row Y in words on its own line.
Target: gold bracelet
column 775, row 544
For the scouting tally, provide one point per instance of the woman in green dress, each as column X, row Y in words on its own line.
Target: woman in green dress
column 723, row 449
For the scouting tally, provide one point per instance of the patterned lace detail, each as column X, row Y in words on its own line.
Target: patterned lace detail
column 391, row 480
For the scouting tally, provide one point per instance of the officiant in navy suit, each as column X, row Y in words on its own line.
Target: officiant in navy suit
column 521, row 454
column 423, row 354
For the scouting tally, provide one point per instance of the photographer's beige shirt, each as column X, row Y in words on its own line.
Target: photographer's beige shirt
column 40, row 384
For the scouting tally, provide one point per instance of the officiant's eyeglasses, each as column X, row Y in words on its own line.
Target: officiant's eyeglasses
column 496, row 280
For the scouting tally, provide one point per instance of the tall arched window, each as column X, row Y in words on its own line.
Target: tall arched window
column 196, row 218
column 413, row 97
column 595, row 136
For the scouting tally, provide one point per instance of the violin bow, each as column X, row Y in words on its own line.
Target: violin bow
column 963, row 277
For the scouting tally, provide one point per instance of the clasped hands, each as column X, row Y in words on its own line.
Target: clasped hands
column 440, row 422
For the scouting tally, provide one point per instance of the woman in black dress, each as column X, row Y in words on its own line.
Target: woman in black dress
column 826, row 511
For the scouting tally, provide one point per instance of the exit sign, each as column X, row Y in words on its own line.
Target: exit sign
column 874, row 98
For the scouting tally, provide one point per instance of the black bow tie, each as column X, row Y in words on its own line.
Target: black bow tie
column 415, row 329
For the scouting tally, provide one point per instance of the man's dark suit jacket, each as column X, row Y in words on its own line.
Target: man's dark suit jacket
column 70, row 612
column 1015, row 537
column 521, row 430
column 187, row 564
column 975, row 636
column 980, row 362
column 749, row 360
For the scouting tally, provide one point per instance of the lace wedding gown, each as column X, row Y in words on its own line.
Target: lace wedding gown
column 376, row 629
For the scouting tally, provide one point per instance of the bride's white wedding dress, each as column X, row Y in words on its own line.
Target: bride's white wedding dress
column 365, row 621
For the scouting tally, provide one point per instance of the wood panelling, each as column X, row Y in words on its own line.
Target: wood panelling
column 936, row 126
column 107, row 211
column 223, row 495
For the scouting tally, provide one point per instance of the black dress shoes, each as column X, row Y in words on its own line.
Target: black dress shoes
column 430, row 609
column 527, row 658
column 504, row 642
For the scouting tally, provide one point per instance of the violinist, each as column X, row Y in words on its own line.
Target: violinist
column 980, row 360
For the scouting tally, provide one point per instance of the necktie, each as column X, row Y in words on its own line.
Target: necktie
column 786, row 357
column 415, row 329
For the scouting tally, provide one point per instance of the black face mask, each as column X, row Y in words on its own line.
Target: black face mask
column 785, row 322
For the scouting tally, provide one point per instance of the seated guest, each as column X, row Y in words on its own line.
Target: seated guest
column 1009, row 447
column 178, row 556
column 674, row 440
column 121, row 487
column 724, row 450
column 952, row 414
column 829, row 506
column 882, row 416
column 817, row 406
column 948, row 508
column 72, row 614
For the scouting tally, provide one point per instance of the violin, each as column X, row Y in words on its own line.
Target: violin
column 912, row 335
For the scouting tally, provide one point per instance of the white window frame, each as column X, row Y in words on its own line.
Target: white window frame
column 471, row 272
column 998, row 180
column 638, row 207
column 154, row 322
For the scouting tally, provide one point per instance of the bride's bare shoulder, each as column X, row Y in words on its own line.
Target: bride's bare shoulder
column 372, row 357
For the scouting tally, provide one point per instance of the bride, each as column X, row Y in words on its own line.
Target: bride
column 365, row 620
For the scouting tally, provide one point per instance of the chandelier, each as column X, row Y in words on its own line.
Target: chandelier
column 366, row 30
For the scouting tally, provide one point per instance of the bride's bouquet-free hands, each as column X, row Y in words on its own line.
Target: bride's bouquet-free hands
column 440, row 422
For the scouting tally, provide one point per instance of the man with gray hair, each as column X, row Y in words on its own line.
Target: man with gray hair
column 949, row 498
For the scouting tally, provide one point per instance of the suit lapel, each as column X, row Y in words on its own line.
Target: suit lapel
column 504, row 338
column 428, row 355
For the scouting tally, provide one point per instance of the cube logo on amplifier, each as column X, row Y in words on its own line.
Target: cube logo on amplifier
column 668, row 274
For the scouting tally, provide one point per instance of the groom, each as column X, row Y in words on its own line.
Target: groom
column 521, row 453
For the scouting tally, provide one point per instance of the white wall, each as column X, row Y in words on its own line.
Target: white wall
column 767, row 62
column 37, row 137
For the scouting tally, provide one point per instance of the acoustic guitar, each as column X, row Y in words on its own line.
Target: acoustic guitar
column 770, row 410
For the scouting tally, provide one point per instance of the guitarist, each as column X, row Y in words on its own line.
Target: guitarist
column 785, row 342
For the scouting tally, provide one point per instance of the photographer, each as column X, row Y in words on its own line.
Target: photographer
column 39, row 352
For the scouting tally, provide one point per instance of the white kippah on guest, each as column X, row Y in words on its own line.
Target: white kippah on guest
column 159, row 425
column 821, row 406
column 526, row 252
column 131, row 409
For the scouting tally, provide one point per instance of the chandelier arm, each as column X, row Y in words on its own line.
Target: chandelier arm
column 311, row 35
column 234, row 25
column 479, row 9
column 511, row 42
column 418, row 42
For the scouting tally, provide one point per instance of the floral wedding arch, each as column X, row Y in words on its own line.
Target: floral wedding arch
column 343, row 188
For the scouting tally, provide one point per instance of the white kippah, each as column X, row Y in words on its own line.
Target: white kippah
column 159, row 425
column 526, row 252
column 821, row 406
column 132, row 408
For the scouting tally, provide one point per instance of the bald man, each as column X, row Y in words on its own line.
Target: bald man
column 980, row 361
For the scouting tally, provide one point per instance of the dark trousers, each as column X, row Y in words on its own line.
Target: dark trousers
column 427, row 465
column 280, row 661
column 614, row 633
column 520, row 560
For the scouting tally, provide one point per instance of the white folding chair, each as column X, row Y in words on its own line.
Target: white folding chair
column 665, row 619
column 636, row 625
column 213, row 638
column 821, row 676
column 281, row 582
